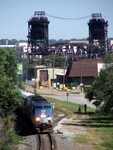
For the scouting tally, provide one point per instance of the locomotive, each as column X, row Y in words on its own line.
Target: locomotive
column 38, row 110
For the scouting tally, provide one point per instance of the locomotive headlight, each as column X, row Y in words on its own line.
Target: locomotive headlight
column 37, row 119
column 43, row 115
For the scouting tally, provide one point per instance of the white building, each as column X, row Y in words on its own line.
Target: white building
column 23, row 46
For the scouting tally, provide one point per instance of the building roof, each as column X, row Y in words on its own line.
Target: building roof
column 84, row 67
column 7, row 46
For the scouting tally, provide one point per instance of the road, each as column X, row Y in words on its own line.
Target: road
column 62, row 95
column 78, row 99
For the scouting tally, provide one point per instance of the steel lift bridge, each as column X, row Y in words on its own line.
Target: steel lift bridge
column 96, row 46
column 38, row 34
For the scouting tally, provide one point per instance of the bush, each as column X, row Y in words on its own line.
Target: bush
column 8, row 137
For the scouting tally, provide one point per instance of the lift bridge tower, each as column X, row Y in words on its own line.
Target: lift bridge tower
column 98, row 31
column 38, row 34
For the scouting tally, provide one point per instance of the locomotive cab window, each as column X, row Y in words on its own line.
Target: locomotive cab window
column 38, row 107
column 47, row 107
column 48, row 110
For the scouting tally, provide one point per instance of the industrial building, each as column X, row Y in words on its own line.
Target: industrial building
column 84, row 71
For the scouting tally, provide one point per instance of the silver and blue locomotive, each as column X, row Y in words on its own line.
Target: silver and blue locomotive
column 38, row 110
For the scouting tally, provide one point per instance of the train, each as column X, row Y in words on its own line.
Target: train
column 38, row 110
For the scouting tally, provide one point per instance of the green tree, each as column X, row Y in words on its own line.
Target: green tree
column 11, row 65
column 102, row 88
column 108, row 59
column 9, row 95
column 54, row 60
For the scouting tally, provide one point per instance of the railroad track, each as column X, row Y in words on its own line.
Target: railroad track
column 45, row 141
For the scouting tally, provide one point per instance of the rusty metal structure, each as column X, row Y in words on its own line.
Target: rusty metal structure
column 38, row 34
column 95, row 47
column 98, row 31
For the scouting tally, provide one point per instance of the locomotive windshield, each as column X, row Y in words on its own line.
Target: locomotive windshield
column 47, row 107
column 38, row 107
column 48, row 110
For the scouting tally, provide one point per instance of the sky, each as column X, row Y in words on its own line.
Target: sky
column 14, row 16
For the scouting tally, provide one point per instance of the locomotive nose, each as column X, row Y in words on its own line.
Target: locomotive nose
column 43, row 115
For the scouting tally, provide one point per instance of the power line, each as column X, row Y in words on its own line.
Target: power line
column 63, row 18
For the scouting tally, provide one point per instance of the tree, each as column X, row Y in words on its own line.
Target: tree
column 54, row 60
column 108, row 59
column 102, row 88
column 11, row 64
column 9, row 95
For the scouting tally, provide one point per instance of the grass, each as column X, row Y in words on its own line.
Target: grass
column 66, row 107
column 101, row 138
column 81, row 139
column 99, row 127
column 100, row 131
column 15, row 138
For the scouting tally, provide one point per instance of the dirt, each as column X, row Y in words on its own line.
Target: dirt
column 69, row 130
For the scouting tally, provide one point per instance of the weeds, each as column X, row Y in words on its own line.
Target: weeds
column 81, row 139
column 8, row 137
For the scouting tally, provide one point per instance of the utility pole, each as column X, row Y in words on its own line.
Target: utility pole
column 52, row 64
column 53, row 72
column 80, row 71
column 81, row 79
column 53, row 69
column 35, row 75
column 64, row 72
